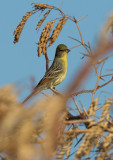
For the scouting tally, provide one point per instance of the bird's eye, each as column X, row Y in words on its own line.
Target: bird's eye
column 62, row 50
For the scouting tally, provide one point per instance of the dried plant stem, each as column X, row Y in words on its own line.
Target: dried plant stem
column 79, row 32
column 92, row 90
column 77, row 131
column 100, row 51
column 98, row 78
column 77, row 121
column 75, row 46
column 77, row 105
column 47, row 61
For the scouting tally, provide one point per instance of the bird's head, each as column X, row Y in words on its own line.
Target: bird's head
column 61, row 50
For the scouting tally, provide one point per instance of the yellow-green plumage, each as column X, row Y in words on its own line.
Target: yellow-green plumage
column 55, row 74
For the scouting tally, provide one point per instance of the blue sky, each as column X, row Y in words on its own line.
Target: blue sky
column 19, row 61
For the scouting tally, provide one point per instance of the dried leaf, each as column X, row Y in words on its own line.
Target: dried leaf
column 20, row 27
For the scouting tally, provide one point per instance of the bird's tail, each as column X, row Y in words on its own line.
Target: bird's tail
column 32, row 94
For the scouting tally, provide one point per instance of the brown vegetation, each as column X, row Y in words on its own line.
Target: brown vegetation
column 46, row 129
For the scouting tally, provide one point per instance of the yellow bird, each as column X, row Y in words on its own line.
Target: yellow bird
column 55, row 74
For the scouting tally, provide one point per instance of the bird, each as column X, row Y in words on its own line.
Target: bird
column 55, row 74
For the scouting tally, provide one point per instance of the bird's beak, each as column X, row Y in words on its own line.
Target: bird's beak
column 68, row 50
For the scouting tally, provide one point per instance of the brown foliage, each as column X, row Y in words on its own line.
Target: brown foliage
column 22, row 128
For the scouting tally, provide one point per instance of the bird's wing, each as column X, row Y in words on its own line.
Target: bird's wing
column 53, row 72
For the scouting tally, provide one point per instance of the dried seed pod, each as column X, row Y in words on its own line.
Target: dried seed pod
column 42, row 20
column 92, row 108
column 44, row 37
column 57, row 30
column 41, row 6
column 19, row 28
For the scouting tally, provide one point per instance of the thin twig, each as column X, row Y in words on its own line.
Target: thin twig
column 76, row 131
column 81, row 18
column 83, row 73
column 56, row 92
column 47, row 61
column 75, row 46
column 77, row 41
column 84, row 110
column 78, row 121
column 92, row 90
column 77, row 105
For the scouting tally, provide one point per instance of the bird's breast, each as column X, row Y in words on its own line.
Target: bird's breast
column 63, row 67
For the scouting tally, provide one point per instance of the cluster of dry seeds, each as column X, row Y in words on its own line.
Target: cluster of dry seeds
column 44, row 37
column 20, row 27
column 57, row 30
column 41, row 6
column 42, row 20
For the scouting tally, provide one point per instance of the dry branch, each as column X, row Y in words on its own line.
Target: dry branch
column 92, row 90
column 99, row 52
